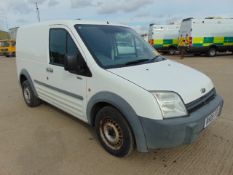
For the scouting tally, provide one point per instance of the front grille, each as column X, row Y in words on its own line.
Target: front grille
column 198, row 103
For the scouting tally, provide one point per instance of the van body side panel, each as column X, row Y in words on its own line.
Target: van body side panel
column 33, row 57
column 119, row 92
column 105, row 81
column 32, row 53
column 62, row 88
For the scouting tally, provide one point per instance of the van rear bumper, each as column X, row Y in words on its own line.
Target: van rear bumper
column 178, row 131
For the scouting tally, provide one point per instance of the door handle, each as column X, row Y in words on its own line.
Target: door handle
column 80, row 78
column 49, row 69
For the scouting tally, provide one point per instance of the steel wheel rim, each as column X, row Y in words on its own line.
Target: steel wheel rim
column 171, row 51
column 111, row 133
column 27, row 95
column 212, row 52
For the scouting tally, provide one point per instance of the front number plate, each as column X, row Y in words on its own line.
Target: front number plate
column 212, row 117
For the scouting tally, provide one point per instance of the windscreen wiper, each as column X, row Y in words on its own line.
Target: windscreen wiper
column 136, row 62
column 157, row 58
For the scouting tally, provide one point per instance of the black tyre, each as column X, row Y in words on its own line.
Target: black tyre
column 172, row 51
column 114, row 132
column 212, row 52
column 29, row 97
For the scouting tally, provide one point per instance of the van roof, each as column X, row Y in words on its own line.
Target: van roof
column 207, row 18
column 165, row 26
column 72, row 22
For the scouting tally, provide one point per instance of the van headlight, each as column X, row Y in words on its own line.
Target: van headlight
column 170, row 104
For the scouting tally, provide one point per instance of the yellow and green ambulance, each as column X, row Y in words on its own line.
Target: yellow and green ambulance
column 164, row 38
column 208, row 35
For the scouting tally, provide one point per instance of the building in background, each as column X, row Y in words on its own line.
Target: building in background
column 4, row 35
column 13, row 33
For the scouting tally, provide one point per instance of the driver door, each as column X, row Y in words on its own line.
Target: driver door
column 64, row 89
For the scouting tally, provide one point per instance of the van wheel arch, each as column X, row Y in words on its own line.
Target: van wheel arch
column 98, row 106
column 28, row 94
column 102, row 99
column 24, row 75
column 95, row 109
column 22, row 79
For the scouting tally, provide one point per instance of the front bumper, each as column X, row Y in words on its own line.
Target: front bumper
column 178, row 131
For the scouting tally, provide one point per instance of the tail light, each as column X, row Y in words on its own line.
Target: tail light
column 151, row 42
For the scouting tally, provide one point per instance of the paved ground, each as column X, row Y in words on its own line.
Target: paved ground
column 46, row 141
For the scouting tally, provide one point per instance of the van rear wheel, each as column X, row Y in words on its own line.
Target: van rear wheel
column 114, row 132
column 171, row 51
column 212, row 52
column 29, row 96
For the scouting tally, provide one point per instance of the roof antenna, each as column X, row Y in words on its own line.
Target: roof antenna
column 38, row 12
column 107, row 22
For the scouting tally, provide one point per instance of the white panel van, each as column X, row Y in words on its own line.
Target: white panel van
column 109, row 77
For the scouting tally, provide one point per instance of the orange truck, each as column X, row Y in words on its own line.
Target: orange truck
column 7, row 47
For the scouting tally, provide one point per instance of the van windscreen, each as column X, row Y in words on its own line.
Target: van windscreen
column 116, row 46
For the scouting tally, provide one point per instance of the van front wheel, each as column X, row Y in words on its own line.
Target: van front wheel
column 29, row 97
column 114, row 132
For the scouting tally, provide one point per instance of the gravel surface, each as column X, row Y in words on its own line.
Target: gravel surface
column 47, row 141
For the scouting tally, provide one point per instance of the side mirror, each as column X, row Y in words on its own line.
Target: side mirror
column 70, row 63
column 76, row 64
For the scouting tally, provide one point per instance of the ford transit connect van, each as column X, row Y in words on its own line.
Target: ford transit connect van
column 109, row 77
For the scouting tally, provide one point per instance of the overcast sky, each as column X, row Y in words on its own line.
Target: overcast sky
column 136, row 13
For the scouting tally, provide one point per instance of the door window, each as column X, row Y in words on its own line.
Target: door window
column 57, row 46
column 61, row 44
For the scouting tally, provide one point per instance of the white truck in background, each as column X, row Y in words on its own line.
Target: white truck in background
column 207, row 35
column 164, row 38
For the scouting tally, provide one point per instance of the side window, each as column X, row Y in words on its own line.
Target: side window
column 71, row 46
column 57, row 46
column 60, row 45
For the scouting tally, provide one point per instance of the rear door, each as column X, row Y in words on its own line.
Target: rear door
column 65, row 90
column 185, row 32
